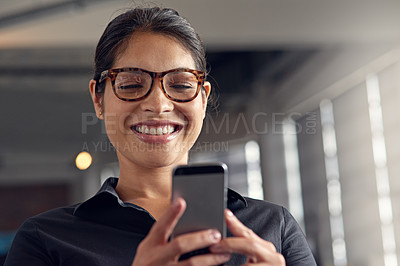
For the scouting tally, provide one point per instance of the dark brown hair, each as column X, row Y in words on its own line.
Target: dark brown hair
column 155, row 19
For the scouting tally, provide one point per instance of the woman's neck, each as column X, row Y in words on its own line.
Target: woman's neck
column 149, row 188
column 146, row 183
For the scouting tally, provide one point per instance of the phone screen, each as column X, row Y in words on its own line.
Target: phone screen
column 204, row 189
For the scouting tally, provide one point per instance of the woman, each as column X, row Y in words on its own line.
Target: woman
column 151, row 91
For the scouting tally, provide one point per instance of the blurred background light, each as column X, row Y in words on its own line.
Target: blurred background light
column 83, row 160
column 254, row 178
column 381, row 171
column 333, row 183
column 295, row 198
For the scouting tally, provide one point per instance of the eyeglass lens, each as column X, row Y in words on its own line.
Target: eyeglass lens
column 136, row 84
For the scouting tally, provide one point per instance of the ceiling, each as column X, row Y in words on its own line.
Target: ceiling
column 223, row 24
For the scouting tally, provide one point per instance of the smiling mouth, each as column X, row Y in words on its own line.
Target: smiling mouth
column 156, row 130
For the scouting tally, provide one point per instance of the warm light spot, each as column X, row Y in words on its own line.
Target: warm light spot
column 83, row 160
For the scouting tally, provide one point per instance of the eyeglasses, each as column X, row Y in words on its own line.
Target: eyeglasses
column 135, row 84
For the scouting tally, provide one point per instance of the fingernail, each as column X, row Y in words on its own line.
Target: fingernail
column 215, row 235
column 230, row 214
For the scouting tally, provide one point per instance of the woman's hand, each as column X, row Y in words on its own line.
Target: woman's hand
column 156, row 250
column 246, row 242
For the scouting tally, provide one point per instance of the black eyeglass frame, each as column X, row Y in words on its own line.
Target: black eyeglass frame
column 112, row 74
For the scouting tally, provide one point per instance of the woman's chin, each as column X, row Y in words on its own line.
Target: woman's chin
column 162, row 163
column 156, row 158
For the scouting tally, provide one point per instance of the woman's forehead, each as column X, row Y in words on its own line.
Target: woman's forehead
column 154, row 52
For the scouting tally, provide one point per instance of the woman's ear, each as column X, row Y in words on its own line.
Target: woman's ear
column 207, row 88
column 97, row 99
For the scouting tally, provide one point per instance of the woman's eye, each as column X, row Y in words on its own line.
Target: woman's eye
column 129, row 81
column 181, row 86
column 130, row 87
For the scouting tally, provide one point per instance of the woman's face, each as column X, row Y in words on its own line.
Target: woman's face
column 155, row 131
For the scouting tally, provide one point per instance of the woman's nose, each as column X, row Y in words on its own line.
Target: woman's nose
column 156, row 101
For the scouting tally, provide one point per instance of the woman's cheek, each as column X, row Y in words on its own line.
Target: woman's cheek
column 114, row 125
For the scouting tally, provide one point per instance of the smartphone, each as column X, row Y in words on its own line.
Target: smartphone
column 204, row 188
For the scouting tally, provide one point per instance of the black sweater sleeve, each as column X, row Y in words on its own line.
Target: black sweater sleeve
column 295, row 248
column 27, row 248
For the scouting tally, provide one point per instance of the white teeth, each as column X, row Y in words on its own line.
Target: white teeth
column 155, row 130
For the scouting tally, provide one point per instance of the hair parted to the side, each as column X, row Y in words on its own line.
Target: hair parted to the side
column 148, row 19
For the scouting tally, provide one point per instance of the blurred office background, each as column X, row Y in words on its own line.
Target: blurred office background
column 308, row 116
